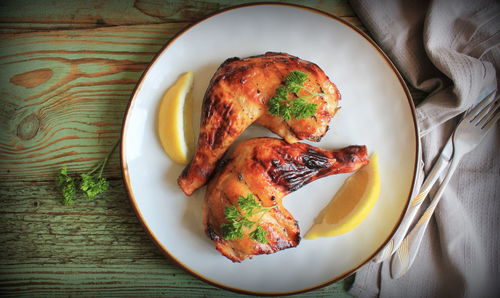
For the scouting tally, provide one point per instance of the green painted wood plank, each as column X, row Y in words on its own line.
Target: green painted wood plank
column 64, row 94
column 93, row 247
column 26, row 15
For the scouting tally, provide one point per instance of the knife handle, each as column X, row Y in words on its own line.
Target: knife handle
column 411, row 212
column 407, row 252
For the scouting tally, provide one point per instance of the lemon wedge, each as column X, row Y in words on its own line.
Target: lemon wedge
column 175, row 128
column 350, row 205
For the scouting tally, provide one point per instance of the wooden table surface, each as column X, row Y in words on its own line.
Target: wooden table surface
column 68, row 69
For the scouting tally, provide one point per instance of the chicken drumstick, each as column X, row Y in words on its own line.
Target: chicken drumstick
column 243, row 212
column 238, row 96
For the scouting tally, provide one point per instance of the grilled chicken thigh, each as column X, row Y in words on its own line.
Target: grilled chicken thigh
column 268, row 169
column 238, row 96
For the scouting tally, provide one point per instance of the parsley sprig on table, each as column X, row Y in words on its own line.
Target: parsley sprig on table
column 238, row 219
column 297, row 107
column 67, row 185
column 91, row 183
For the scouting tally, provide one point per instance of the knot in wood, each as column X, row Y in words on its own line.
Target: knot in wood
column 28, row 127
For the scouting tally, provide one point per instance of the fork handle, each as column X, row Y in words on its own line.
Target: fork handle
column 407, row 252
column 414, row 206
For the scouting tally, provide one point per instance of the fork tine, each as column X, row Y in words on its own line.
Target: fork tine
column 471, row 114
column 493, row 117
column 485, row 113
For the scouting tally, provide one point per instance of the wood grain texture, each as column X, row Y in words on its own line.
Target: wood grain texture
column 24, row 15
column 94, row 247
column 63, row 94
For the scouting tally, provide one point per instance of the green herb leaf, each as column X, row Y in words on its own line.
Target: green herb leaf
column 282, row 92
column 295, row 81
column 248, row 203
column 247, row 222
column 92, row 185
column 239, row 218
column 67, row 185
column 231, row 213
column 274, row 106
column 232, row 231
column 259, row 234
column 302, row 109
column 287, row 108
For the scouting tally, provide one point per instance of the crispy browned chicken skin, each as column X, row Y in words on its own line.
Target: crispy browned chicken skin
column 269, row 169
column 237, row 97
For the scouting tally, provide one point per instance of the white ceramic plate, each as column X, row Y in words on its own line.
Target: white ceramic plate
column 376, row 111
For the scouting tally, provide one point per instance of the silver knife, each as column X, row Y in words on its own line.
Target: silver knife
column 415, row 203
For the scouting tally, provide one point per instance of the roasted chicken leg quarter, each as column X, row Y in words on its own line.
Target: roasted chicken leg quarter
column 265, row 170
column 237, row 97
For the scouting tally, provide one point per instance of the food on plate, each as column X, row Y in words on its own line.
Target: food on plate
column 243, row 211
column 292, row 97
column 351, row 204
column 175, row 128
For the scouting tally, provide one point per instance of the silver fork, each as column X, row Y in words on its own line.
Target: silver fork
column 466, row 137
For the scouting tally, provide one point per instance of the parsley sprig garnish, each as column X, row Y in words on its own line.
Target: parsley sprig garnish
column 286, row 106
column 67, row 185
column 239, row 218
column 91, row 183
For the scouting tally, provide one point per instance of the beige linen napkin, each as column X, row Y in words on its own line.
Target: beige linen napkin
column 450, row 50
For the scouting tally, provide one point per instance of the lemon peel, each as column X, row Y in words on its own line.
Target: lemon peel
column 350, row 205
column 175, row 129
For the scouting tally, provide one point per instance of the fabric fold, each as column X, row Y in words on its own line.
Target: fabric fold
column 451, row 51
